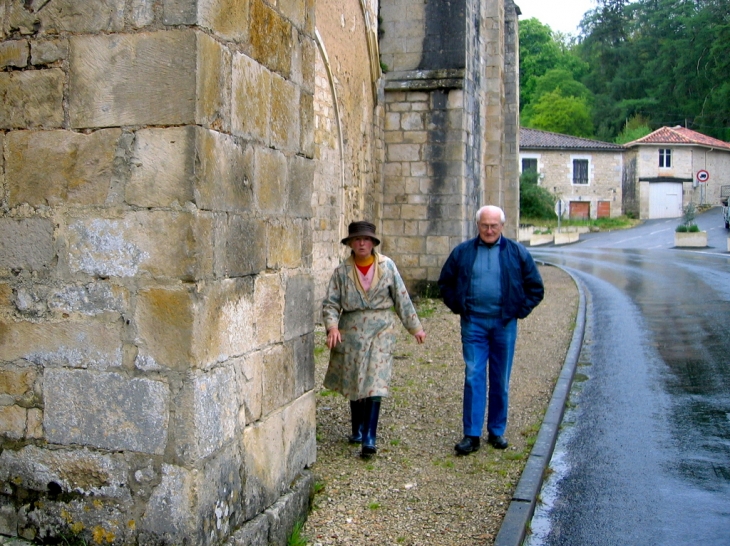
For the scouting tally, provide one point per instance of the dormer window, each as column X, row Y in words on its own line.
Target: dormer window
column 665, row 158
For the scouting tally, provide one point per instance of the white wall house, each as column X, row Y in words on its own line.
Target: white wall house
column 585, row 173
column 671, row 167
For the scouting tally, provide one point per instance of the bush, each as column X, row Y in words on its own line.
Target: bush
column 681, row 228
column 535, row 201
column 694, row 228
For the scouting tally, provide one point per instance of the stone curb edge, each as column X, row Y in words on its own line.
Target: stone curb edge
column 519, row 513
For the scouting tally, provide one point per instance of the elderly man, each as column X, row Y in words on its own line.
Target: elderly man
column 490, row 281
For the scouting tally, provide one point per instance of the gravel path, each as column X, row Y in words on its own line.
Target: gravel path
column 415, row 491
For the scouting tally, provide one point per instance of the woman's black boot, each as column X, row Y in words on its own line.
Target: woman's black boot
column 372, row 412
column 357, row 415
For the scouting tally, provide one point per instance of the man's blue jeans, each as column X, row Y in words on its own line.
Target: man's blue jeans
column 487, row 340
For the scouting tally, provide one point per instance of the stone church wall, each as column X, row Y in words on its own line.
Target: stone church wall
column 175, row 179
column 156, row 294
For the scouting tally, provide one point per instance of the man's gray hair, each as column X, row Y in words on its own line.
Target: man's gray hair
column 491, row 208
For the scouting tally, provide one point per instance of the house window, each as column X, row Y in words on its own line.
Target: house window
column 665, row 158
column 580, row 171
column 529, row 164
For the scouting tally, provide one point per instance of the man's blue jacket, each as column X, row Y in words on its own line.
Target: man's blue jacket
column 522, row 288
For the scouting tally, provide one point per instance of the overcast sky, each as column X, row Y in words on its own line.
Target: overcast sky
column 563, row 15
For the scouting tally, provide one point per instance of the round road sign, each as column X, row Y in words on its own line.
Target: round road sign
column 561, row 208
column 703, row 176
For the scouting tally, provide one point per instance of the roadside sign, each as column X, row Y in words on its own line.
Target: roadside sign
column 703, row 176
column 561, row 208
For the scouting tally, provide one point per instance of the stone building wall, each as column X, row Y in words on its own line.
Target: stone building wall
column 156, row 293
column 605, row 171
column 348, row 139
column 450, row 126
column 175, row 178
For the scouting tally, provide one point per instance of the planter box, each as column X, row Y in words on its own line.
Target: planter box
column 565, row 238
column 694, row 240
column 542, row 239
column 728, row 244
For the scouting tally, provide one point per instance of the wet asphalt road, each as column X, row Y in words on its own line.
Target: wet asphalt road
column 643, row 456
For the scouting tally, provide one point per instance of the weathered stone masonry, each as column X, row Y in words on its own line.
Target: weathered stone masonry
column 156, row 310
column 451, row 126
column 175, row 178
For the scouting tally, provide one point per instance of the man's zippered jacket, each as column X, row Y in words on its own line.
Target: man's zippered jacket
column 522, row 287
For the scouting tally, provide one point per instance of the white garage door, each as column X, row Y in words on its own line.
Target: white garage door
column 665, row 200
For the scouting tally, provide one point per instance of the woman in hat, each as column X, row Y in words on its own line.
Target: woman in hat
column 361, row 329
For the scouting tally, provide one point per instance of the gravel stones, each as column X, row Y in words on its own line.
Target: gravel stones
column 416, row 491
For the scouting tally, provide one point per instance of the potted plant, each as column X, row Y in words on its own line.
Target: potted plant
column 688, row 233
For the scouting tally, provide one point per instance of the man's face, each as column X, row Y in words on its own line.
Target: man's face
column 490, row 226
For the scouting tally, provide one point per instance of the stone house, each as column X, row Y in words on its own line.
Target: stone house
column 671, row 167
column 586, row 174
column 175, row 179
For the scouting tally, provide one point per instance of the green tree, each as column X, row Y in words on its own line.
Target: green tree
column 536, row 202
column 557, row 113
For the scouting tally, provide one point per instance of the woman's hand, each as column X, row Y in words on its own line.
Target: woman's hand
column 333, row 338
column 420, row 336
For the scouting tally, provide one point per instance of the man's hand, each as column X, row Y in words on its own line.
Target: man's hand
column 333, row 338
column 420, row 336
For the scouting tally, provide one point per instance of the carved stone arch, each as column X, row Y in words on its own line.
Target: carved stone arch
column 346, row 97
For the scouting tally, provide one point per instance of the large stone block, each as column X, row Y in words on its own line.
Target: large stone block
column 59, row 16
column 285, row 114
column 299, row 306
column 301, row 178
column 214, row 83
column 306, row 119
column 106, row 411
column 302, row 350
column 270, row 38
column 133, row 79
column 164, row 244
column 31, row 99
column 251, row 99
column 48, row 51
column 228, row 19
column 14, row 53
column 268, row 308
column 12, row 422
column 95, row 345
column 249, row 380
column 17, row 381
column 225, row 173
column 79, row 471
column 92, row 299
column 167, row 518
column 271, row 181
column 278, row 379
column 220, row 505
column 265, row 464
column 26, row 244
column 162, row 167
column 284, row 244
column 300, row 426
column 227, row 321
column 60, row 167
column 165, row 323
column 205, row 414
column 241, row 248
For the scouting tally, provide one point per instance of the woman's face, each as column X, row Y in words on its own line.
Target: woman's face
column 361, row 246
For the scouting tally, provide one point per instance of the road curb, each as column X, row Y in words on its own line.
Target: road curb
column 522, row 506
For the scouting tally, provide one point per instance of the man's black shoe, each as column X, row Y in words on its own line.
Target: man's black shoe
column 468, row 444
column 497, row 442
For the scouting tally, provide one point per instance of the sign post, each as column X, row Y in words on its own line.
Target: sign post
column 561, row 207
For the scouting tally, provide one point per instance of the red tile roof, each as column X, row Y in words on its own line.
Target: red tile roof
column 534, row 139
column 680, row 135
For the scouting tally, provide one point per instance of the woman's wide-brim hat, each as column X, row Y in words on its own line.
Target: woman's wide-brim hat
column 361, row 229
